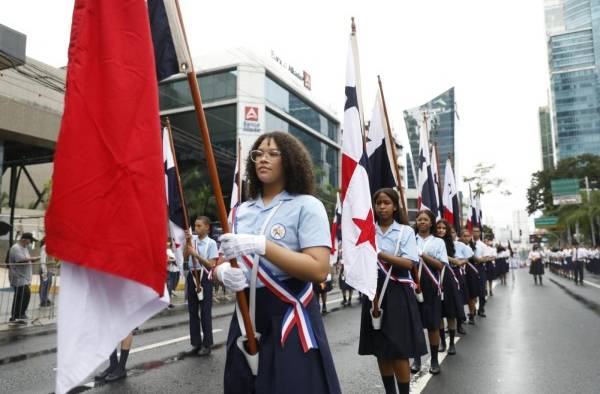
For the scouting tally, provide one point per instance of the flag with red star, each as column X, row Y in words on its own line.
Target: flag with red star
column 358, row 226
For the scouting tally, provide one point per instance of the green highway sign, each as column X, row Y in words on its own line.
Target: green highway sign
column 546, row 222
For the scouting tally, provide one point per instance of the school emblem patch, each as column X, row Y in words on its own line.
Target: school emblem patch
column 278, row 231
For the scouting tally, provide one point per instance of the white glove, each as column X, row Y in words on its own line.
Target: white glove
column 233, row 279
column 235, row 245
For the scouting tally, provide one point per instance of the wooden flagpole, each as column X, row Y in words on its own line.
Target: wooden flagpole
column 394, row 155
column 186, row 218
column 242, row 301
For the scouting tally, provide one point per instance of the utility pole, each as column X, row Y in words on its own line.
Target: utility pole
column 589, row 201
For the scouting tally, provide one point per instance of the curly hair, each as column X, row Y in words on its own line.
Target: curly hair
column 297, row 165
column 431, row 218
column 447, row 238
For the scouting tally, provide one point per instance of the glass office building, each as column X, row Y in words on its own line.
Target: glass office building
column 244, row 95
column 440, row 113
column 573, row 39
column 546, row 138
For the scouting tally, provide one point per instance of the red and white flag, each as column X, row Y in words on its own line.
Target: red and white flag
column 175, row 205
column 426, row 186
column 436, row 181
column 358, row 226
column 451, row 206
column 107, row 218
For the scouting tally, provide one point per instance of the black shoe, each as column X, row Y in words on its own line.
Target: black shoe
column 343, row 303
column 102, row 375
column 204, row 351
column 472, row 320
column 192, row 352
column 461, row 330
column 442, row 347
column 118, row 374
column 415, row 367
column 434, row 369
column 324, row 311
column 451, row 350
column 481, row 313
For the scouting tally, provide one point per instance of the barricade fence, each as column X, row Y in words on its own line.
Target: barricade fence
column 29, row 293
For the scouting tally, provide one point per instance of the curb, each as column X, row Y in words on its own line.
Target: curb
column 592, row 305
column 159, row 327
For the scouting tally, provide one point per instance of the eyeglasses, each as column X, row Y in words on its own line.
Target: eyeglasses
column 270, row 155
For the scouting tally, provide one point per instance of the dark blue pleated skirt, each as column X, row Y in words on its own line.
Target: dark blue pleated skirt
column 401, row 334
column 282, row 369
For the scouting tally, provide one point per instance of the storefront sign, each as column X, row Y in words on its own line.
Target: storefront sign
column 251, row 119
column 302, row 76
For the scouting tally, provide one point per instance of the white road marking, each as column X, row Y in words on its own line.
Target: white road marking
column 421, row 382
column 591, row 284
column 165, row 343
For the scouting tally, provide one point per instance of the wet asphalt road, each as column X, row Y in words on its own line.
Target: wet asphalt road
column 534, row 340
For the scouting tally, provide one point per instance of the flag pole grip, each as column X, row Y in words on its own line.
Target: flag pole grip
column 221, row 210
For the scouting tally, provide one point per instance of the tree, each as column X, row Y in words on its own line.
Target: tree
column 539, row 193
column 484, row 180
column 325, row 191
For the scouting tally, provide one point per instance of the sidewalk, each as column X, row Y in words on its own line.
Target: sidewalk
column 588, row 294
column 21, row 343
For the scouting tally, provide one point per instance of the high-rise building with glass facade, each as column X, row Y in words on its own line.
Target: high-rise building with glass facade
column 546, row 138
column 245, row 95
column 573, row 39
column 440, row 113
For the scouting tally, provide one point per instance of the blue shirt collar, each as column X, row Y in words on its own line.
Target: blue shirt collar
column 282, row 196
column 395, row 226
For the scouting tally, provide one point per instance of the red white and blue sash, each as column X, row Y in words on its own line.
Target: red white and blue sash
column 296, row 315
column 431, row 276
column 385, row 267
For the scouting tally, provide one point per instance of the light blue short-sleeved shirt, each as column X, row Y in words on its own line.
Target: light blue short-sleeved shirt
column 408, row 245
column 299, row 223
column 462, row 251
column 206, row 247
column 434, row 247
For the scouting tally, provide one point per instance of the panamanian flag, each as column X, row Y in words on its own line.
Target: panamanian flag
column 450, row 198
column 358, row 226
column 427, row 189
column 473, row 219
column 107, row 217
column 176, row 213
column 379, row 146
column 436, row 182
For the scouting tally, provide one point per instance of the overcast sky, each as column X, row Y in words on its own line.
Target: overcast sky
column 493, row 52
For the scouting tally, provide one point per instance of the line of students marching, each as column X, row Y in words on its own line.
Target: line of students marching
column 281, row 239
column 434, row 274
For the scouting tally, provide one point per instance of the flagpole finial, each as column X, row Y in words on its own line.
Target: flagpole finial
column 353, row 26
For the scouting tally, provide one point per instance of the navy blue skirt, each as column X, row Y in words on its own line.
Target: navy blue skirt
column 452, row 305
column 536, row 268
column 343, row 285
column 431, row 308
column 482, row 279
column 281, row 369
column 472, row 279
column 490, row 270
column 463, row 290
column 401, row 334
